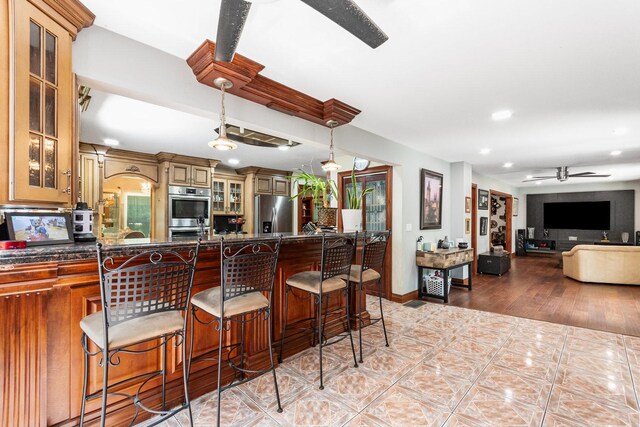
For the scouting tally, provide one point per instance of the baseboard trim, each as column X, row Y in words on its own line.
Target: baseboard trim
column 404, row 298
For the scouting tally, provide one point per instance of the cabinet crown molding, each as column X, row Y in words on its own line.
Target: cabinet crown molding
column 77, row 14
column 163, row 156
column 262, row 171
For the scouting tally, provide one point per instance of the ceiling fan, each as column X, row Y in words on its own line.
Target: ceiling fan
column 347, row 14
column 562, row 174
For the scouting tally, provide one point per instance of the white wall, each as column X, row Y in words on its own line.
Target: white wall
column 595, row 186
column 116, row 64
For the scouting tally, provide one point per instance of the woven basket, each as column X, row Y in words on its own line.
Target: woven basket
column 327, row 216
column 435, row 285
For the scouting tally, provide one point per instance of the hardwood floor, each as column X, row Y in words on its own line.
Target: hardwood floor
column 535, row 288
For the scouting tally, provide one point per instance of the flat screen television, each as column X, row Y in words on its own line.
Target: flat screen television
column 578, row 215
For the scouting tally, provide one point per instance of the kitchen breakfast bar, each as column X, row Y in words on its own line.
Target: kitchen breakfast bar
column 46, row 291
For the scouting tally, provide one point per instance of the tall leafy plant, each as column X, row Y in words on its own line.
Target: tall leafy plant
column 317, row 187
column 353, row 196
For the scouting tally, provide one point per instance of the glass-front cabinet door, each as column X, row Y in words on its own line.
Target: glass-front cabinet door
column 235, row 197
column 43, row 108
column 219, row 196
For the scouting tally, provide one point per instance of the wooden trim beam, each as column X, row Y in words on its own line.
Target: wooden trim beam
column 244, row 73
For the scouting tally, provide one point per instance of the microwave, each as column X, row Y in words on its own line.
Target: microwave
column 187, row 205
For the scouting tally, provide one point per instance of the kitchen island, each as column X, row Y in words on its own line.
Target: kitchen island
column 45, row 291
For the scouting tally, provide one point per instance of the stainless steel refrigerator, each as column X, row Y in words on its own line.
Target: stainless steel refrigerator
column 273, row 214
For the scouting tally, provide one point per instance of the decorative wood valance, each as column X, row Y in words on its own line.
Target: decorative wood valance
column 249, row 84
column 73, row 11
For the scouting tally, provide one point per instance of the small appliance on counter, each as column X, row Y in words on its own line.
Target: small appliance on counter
column 82, row 220
column 225, row 224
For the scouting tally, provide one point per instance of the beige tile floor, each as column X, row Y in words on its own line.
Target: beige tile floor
column 448, row 366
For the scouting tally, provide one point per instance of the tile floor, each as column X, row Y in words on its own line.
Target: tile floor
column 448, row 366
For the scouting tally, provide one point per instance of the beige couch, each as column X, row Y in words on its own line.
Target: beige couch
column 603, row 264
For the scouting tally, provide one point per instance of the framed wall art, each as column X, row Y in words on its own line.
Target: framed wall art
column 516, row 206
column 467, row 205
column 484, row 222
column 483, row 200
column 430, row 200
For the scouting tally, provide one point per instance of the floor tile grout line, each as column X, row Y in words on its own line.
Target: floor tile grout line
column 553, row 383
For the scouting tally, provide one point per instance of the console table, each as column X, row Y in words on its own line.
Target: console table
column 443, row 260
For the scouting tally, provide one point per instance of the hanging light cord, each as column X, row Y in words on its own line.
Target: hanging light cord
column 223, row 126
column 331, row 143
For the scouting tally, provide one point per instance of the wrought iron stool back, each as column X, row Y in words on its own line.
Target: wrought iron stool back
column 337, row 255
column 247, row 273
column 152, row 283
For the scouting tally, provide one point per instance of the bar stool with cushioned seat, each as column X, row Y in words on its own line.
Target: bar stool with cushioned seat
column 144, row 299
column 247, row 274
column 336, row 258
column 370, row 271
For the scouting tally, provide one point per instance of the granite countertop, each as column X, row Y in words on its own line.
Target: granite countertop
column 78, row 251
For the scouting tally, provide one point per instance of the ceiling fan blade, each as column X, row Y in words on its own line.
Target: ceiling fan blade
column 349, row 16
column 589, row 176
column 233, row 14
column 581, row 174
column 539, row 178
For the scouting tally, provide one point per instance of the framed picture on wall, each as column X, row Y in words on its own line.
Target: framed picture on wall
column 516, row 206
column 484, row 222
column 483, row 200
column 430, row 200
column 467, row 205
column 467, row 226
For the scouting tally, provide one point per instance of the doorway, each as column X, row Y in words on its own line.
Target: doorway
column 500, row 220
column 127, row 207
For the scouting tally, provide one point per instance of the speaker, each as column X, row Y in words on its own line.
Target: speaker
column 637, row 238
column 520, row 236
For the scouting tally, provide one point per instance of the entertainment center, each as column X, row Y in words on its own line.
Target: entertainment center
column 561, row 221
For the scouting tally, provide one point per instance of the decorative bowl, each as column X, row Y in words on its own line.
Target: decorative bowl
column 463, row 245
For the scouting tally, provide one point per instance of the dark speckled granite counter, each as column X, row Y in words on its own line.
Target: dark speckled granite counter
column 80, row 251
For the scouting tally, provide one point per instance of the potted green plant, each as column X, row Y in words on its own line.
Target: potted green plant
column 321, row 190
column 352, row 217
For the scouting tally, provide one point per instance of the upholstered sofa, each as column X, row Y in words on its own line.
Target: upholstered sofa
column 603, row 264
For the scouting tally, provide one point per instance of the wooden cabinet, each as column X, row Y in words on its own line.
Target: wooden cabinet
column 190, row 175
column 305, row 211
column 227, row 196
column 275, row 185
column 38, row 104
column 89, row 180
column 43, row 139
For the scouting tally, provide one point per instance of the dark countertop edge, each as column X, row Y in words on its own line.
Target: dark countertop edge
column 79, row 251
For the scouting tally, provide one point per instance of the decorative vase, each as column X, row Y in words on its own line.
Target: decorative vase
column 625, row 237
column 351, row 220
column 327, row 216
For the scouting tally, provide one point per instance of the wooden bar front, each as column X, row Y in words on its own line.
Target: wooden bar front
column 41, row 305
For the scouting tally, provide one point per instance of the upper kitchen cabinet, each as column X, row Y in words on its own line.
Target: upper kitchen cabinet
column 227, row 197
column 276, row 185
column 40, row 112
column 189, row 175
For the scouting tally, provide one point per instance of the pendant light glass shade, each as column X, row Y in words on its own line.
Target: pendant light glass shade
column 331, row 165
column 222, row 142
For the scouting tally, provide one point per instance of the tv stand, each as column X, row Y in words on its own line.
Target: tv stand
column 540, row 246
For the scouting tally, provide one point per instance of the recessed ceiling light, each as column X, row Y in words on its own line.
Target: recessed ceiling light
column 620, row 131
column 508, row 165
column 283, row 147
column 485, row 151
column 529, row 176
column 112, row 142
column 616, row 152
column 538, row 182
column 502, row 115
column 233, row 161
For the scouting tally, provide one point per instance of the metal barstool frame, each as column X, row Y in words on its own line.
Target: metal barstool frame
column 123, row 301
column 374, row 250
column 231, row 283
column 336, row 258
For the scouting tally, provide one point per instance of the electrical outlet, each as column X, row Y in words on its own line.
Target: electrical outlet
column 409, row 227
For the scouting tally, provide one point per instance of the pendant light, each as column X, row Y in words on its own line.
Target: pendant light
column 331, row 165
column 222, row 142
